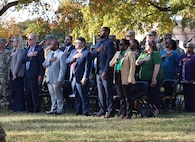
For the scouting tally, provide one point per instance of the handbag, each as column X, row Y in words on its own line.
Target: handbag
column 148, row 110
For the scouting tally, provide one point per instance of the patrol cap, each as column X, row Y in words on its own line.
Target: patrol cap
column 168, row 35
column 152, row 33
column 112, row 36
column 190, row 45
column 130, row 33
column 2, row 40
column 49, row 36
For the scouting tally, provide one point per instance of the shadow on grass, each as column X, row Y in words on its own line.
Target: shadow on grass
column 68, row 127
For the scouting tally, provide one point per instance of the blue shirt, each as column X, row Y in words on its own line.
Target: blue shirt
column 170, row 64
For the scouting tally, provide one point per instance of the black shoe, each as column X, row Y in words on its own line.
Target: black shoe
column 58, row 113
column 86, row 114
column 122, row 116
column 128, row 117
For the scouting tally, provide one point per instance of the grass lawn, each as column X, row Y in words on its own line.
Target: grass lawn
column 171, row 127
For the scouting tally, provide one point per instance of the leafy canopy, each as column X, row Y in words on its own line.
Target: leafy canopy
column 79, row 18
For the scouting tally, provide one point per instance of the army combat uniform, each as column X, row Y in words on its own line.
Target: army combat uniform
column 4, row 84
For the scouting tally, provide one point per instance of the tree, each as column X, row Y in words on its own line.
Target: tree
column 69, row 16
column 141, row 15
column 6, row 5
column 79, row 18
column 10, row 29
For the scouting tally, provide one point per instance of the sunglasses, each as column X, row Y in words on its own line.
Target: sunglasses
column 188, row 47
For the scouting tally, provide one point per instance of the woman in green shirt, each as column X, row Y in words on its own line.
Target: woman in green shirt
column 151, row 71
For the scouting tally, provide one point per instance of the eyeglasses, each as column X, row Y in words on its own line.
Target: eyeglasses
column 29, row 39
column 121, row 44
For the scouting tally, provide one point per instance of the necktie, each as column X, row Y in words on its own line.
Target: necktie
column 52, row 55
column 74, row 63
column 66, row 49
column 28, row 62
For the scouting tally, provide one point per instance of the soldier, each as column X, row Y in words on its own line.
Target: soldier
column 4, row 62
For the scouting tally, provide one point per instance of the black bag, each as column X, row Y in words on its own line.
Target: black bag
column 148, row 110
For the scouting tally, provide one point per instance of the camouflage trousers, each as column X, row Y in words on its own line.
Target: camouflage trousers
column 4, row 94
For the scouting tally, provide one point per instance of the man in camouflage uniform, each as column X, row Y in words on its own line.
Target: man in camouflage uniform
column 4, row 85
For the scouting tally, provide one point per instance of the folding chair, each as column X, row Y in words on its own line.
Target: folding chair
column 168, row 93
column 139, row 91
column 45, row 97
column 68, row 96
column 93, row 96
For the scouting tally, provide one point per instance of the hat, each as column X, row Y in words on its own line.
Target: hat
column 169, row 35
column 130, row 33
column 49, row 36
column 2, row 132
column 152, row 32
column 112, row 36
column 190, row 45
column 2, row 40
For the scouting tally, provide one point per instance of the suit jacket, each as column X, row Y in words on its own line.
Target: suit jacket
column 36, row 69
column 68, row 71
column 83, row 64
column 104, row 58
column 57, row 69
column 16, row 65
column 127, row 67
column 72, row 47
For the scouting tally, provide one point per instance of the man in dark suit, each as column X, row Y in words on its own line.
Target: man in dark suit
column 80, row 60
column 104, row 51
column 67, row 48
column 34, row 71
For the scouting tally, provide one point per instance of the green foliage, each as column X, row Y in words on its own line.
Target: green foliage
column 141, row 15
column 79, row 18
column 120, row 16
column 27, row 1
column 38, row 27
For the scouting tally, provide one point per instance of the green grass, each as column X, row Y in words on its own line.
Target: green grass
column 172, row 127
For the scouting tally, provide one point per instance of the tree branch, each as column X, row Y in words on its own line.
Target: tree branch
column 160, row 8
column 7, row 6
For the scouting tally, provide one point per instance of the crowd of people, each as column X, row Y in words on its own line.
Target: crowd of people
column 112, row 61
